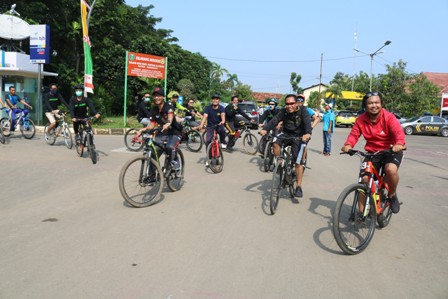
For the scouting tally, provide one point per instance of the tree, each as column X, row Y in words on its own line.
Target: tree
column 295, row 80
column 186, row 88
column 313, row 100
column 335, row 91
column 423, row 97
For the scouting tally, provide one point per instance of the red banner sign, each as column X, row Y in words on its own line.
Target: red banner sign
column 145, row 65
column 445, row 101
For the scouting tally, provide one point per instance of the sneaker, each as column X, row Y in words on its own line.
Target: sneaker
column 394, row 204
column 230, row 149
column 176, row 165
column 77, row 138
column 298, row 192
column 223, row 145
column 206, row 164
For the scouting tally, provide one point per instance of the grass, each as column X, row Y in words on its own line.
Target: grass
column 116, row 122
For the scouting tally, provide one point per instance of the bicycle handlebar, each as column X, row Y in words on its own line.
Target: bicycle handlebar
column 352, row 152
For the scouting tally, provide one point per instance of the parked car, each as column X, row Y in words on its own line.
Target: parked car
column 345, row 118
column 426, row 125
column 399, row 117
column 251, row 109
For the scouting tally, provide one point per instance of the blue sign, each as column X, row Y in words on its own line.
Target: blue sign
column 180, row 100
column 40, row 43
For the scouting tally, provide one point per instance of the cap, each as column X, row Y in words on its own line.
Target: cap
column 175, row 95
column 216, row 96
column 158, row 91
column 79, row 86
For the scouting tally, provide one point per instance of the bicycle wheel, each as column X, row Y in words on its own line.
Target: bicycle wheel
column 49, row 137
column 292, row 183
column 385, row 216
column 194, row 141
column 2, row 136
column 277, row 180
column 27, row 128
column 250, row 143
column 175, row 178
column 141, row 182
column 6, row 126
column 215, row 157
column 91, row 148
column 68, row 139
column 268, row 156
column 351, row 229
column 81, row 144
column 204, row 136
column 132, row 142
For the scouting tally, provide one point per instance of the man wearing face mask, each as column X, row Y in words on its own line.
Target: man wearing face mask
column 267, row 115
column 52, row 100
column 79, row 106
column 143, row 110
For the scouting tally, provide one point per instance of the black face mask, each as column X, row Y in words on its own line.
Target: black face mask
column 53, row 91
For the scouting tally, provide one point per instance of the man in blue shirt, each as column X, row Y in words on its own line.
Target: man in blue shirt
column 328, row 129
column 12, row 100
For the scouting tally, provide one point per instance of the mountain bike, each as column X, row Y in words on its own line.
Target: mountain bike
column 215, row 158
column 86, row 139
column 192, row 137
column 22, row 123
column 268, row 155
column 250, row 141
column 361, row 205
column 61, row 128
column 284, row 175
column 142, row 178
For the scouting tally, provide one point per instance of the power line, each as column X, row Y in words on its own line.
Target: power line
column 280, row 61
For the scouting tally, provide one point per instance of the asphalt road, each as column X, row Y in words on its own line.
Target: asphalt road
column 66, row 232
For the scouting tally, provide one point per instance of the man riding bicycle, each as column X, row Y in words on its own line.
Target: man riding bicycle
column 162, row 115
column 79, row 106
column 382, row 131
column 12, row 100
column 296, row 131
column 52, row 100
column 231, row 110
column 267, row 115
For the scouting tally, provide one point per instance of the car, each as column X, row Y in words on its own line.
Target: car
column 426, row 125
column 251, row 109
column 345, row 118
column 400, row 118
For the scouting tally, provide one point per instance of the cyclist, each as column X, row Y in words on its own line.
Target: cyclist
column 296, row 123
column 231, row 110
column 143, row 109
column 191, row 112
column 12, row 100
column 178, row 108
column 382, row 131
column 267, row 115
column 162, row 115
column 79, row 106
column 214, row 115
column 52, row 100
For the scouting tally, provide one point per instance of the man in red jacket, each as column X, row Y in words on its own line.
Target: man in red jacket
column 382, row 131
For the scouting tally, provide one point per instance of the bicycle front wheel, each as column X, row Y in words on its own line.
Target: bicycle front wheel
column 92, row 151
column 133, row 142
column 215, row 157
column 175, row 179
column 250, row 143
column 27, row 128
column 49, row 137
column 268, row 156
column 352, row 230
column 141, row 182
column 277, row 178
column 194, row 141
column 6, row 126
column 68, row 139
column 384, row 217
column 80, row 145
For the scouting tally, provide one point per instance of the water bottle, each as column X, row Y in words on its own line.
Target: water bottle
column 237, row 134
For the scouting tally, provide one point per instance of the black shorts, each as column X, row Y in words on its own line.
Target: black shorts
column 386, row 158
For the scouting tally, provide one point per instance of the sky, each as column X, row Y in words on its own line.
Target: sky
column 262, row 42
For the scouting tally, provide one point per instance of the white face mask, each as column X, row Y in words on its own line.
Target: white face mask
column 78, row 93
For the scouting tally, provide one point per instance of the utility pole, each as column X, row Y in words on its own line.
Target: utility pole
column 320, row 78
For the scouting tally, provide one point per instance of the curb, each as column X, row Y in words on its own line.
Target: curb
column 110, row 131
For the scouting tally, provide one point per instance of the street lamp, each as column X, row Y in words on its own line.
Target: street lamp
column 371, row 59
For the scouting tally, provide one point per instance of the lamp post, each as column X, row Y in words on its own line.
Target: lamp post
column 371, row 59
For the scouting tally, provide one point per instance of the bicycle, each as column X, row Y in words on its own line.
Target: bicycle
column 215, row 158
column 2, row 136
column 142, row 178
column 250, row 141
column 86, row 139
column 192, row 137
column 60, row 128
column 284, row 175
column 22, row 123
column 133, row 141
column 353, row 224
column 268, row 154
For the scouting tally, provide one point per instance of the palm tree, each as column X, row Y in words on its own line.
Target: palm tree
column 335, row 91
column 217, row 72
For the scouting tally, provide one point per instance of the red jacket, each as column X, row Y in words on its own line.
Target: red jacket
column 386, row 131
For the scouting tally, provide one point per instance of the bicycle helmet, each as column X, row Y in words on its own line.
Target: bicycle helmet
column 272, row 100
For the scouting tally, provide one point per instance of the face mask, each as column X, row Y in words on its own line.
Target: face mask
column 78, row 93
column 54, row 91
column 147, row 99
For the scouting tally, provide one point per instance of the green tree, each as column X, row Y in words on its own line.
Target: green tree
column 186, row 89
column 423, row 97
column 295, row 80
column 313, row 100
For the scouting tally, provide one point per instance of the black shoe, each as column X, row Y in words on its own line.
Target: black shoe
column 298, row 192
column 229, row 149
column 394, row 204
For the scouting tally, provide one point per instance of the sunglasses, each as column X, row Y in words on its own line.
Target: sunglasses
column 372, row 93
column 271, row 104
column 289, row 104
